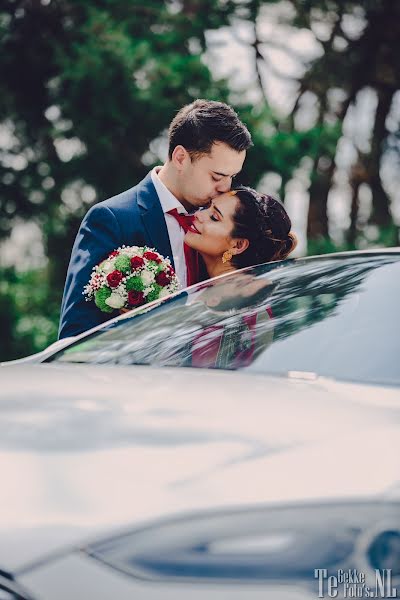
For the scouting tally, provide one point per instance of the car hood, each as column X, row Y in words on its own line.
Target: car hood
column 87, row 449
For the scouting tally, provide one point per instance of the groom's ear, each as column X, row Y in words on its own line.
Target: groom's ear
column 241, row 244
column 179, row 157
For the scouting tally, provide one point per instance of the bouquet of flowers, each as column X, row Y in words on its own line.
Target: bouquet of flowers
column 130, row 276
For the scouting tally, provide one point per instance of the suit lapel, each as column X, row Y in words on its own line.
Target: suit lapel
column 153, row 218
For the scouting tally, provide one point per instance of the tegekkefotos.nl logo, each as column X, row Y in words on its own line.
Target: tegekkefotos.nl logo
column 354, row 584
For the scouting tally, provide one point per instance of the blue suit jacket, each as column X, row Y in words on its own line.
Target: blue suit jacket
column 133, row 218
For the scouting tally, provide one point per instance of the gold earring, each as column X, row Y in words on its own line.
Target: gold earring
column 227, row 256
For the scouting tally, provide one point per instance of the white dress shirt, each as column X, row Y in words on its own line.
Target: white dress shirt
column 175, row 231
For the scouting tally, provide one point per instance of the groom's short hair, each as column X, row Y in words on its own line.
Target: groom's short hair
column 197, row 126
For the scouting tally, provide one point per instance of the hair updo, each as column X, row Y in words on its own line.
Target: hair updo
column 263, row 221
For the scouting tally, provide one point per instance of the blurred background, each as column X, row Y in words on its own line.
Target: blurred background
column 88, row 88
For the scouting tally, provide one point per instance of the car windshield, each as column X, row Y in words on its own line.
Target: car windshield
column 330, row 316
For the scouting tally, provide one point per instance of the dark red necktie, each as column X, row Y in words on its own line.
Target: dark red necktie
column 191, row 256
column 184, row 220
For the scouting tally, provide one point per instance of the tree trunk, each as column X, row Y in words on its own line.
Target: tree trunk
column 317, row 226
column 380, row 200
column 352, row 232
column 358, row 176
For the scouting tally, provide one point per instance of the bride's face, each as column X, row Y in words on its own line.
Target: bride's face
column 211, row 231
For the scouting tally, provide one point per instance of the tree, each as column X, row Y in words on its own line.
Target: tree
column 358, row 51
column 86, row 90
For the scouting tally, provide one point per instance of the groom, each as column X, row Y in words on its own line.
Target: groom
column 207, row 148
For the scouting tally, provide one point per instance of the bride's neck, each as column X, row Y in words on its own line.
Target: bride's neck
column 216, row 267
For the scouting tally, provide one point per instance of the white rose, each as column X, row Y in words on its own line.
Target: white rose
column 107, row 266
column 115, row 301
column 147, row 278
column 164, row 292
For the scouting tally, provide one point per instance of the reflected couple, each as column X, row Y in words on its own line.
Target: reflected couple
column 231, row 323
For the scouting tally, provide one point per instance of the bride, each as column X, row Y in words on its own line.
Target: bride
column 239, row 229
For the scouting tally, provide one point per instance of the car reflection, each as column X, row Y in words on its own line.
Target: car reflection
column 302, row 316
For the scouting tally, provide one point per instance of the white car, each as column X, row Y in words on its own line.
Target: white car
column 226, row 443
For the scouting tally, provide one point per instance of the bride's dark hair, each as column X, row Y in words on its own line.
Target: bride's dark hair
column 265, row 223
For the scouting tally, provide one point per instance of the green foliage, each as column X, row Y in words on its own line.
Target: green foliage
column 280, row 148
column 324, row 245
column 135, row 283
column 29, row 313
column 123, row 264
column 84, row 89
column 385, row 237
column 155, row 292
column 389, row 236
column 100, row 297
column 112, row 74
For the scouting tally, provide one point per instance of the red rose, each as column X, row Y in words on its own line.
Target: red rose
column 114, row 278
column 135, row 298
column 137, row 262
column 152, row 256
column 114, row 253
column 162, row 278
